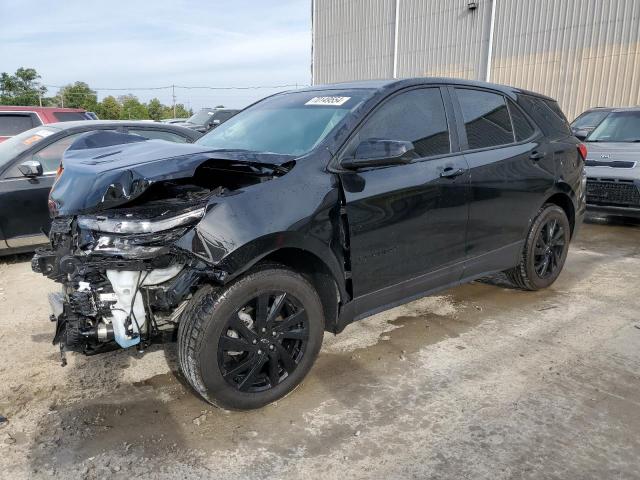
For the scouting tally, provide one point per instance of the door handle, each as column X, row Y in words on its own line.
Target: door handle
column 451, row 172
column 535, row 156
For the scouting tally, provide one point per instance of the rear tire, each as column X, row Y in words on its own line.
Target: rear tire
column 253, row 341
column 545, row 250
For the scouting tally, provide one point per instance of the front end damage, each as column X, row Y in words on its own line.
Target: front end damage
column 127, row 272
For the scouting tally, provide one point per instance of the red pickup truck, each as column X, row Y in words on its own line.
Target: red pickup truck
column 15, row 120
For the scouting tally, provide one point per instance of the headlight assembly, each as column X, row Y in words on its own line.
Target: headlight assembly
column 130, row 224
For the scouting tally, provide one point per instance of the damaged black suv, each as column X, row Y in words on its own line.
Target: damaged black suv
column 306, row 211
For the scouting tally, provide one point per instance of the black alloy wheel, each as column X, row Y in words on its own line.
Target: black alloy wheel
column 550, row 244
column 263, row 342
column 545, row 250
column 253, row 341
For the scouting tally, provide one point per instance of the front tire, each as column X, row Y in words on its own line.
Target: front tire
column 252, row 342
column 545, row 250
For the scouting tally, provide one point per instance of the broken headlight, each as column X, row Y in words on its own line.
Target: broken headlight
column 131, row 223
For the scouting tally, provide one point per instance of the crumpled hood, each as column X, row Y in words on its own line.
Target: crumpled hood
column 107, row 169
column 613, row 159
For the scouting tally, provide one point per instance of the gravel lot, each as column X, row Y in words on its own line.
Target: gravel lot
column 480, row 382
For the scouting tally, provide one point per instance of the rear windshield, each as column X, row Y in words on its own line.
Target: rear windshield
column 288, row 124
column 617, row 127
column 14, row 146
column 589, row 119
column 13, row 124
column 70, row 116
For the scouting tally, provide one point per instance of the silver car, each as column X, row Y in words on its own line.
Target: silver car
column 613, row 164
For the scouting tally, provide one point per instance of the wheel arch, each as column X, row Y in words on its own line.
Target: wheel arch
column 563, row 200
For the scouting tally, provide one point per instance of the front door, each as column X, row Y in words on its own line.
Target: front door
column 407, row 223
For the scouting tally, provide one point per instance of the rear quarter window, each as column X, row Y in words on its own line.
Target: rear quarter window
column 547, row 114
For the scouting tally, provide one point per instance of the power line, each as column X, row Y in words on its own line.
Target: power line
column 187, row 87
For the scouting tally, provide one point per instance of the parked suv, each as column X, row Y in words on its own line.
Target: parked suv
column 208, row 118
column 15, row 120
column 306, row 211
column 613, row 164
column 584, row 123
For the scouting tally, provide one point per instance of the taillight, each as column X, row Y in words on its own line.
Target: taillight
column 59, row 170
column 582, row 149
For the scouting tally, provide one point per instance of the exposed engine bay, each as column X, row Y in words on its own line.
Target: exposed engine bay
column 125, row 279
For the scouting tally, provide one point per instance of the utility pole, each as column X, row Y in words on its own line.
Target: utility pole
column 173, row 94
column 62, row 98
column 40, row 97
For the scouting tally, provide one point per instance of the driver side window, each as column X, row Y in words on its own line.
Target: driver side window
column 417, row 116
column 51, row 155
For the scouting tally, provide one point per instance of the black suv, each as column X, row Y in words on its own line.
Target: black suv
column 306, row 211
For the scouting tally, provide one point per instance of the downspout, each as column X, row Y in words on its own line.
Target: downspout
column 395, row 40
column 490, row 49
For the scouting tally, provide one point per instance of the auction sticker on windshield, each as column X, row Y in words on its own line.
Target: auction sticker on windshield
column 337, row 101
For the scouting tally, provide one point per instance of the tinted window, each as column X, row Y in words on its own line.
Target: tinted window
column 70, row 116
column 546, row 117
column 159, row 135
column 486, row 118
column 51, row 155
column 416, row 116
column 13, row 124
column 589, row 119
column 521, row 125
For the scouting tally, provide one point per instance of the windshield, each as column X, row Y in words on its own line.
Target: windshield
column 14, row 146
column 288, row 124
column 618, row 127
column 590, row 119
column 201, row 117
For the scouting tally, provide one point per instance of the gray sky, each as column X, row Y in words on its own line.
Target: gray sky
column 135, row 43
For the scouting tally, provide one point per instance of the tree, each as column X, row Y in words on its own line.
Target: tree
column 78, row 95
column 132, row 109
column 181, row 111
column 109, row 109
column 22, row 88
column 154, row 107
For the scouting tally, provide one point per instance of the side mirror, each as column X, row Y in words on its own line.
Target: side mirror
column 581, row 134
column 215, row 123
column 379, row 153
column 31, row 168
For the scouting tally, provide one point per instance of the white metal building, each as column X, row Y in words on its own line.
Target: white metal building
column 584, row 53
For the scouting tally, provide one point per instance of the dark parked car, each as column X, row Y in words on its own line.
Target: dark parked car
column 304, row 212
column 28, row 165
column 584, row 123
column 208, row 118
column 15, row 120
column 613, row 164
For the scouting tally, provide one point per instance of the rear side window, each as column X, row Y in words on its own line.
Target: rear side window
column 70, row 116
column 14, row 123
column 486, row 118
column 416, row 116
column 523, row 129
column 546, row 113
column 159, row 135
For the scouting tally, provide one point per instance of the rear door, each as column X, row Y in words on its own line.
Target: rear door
column 407, row 223
column 511, row 168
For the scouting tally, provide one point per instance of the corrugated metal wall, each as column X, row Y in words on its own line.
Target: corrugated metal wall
column 582, row 52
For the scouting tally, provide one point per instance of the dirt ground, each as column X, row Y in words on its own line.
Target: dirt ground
column 480, row 382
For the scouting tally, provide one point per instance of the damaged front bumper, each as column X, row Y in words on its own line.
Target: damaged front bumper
column 119, row 289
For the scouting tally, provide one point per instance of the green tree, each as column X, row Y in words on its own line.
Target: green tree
column 181, row 111
column 22, row 88
column 78, row 95
column 155, row 109
column 132, row 109
column 109, row 109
